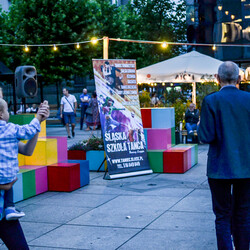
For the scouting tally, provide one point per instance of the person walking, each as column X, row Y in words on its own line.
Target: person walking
column 84, row 98
column 224, row 124
column 68, row 111
column 94, row 118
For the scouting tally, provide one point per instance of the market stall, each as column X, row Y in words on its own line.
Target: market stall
column 191, row 67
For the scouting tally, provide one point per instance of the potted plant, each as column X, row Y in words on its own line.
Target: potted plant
column 95, row 153
column 91, row 149
column 77, row 151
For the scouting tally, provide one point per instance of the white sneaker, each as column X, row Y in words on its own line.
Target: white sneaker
column 11, row 213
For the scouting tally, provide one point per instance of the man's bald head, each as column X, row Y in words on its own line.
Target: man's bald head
column 228, row 73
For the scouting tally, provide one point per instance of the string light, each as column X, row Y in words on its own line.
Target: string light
column 163, row 84
column 94, row 40
column 78, row 46
column 164, row 45
column 26, row 49
column 232, row 16
column 226, row 12
column 219, row 7
column 214, row 47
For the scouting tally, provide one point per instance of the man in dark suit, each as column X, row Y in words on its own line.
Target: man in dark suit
column 225, row 125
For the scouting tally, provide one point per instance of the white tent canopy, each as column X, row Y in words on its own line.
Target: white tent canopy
column 190, row 67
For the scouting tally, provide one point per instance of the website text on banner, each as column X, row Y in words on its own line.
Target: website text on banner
column 120, row 116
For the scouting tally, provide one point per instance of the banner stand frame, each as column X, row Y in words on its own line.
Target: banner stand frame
column 107, row 176
column 98, row 170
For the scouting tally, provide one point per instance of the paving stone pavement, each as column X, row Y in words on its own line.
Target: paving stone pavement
column 157, row 211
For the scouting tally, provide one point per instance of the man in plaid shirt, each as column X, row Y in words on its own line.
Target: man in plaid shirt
column 10, row 135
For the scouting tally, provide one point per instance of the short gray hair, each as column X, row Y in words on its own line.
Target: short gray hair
column 228, row 72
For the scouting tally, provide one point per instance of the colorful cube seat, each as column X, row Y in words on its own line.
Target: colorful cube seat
column 62, row 148
column 43, row 129
column 194, row 152
column 145, row 131
column 45, row 153
column 21, row 160
column 176, row 160
column 163, row 118
column 158, row 139
column 64, row 177
column 18, row 188
column 29, row 182
column 41, row 178
column 155, row 158
column 173, row 136
column 84, row 171
column 146, row 117
column 22, row 119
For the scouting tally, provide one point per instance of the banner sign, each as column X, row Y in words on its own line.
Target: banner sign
column 120, row 116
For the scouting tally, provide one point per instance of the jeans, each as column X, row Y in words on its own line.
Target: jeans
column 190, row 127
column 8, row 198
column 12, row 235
column 69, row 117
column 231, row 206
column 83, row 111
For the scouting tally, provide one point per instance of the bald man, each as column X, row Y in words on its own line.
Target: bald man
column 225, row 126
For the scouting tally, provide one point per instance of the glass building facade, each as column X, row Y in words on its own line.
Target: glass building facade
column 220, row 22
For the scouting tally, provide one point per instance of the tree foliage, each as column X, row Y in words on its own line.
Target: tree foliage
column 67, row 21
column 155, row 20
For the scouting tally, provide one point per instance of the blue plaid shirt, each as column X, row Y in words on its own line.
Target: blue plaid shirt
column 10, row 135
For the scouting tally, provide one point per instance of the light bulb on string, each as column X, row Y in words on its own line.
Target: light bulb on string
column 26, row 48
column 219, row 7
column 94, row 40
column 214, row 47
column 226, row 12
column 78, row 46
column 54, row 47
column 163, row 84
column 232, row 17
column 164, row 45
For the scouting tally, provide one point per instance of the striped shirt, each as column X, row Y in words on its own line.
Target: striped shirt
column 10, row 135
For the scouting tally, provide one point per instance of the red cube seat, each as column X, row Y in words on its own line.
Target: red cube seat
column 64, row 177
column 176, row 160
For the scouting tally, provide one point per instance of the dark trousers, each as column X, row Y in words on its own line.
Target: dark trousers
column 231, row 206
column 12, row 235
column 83, row 111
column 8, row 198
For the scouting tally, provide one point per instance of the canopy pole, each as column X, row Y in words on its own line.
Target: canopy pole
column 194, row 93
column 105, row 47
